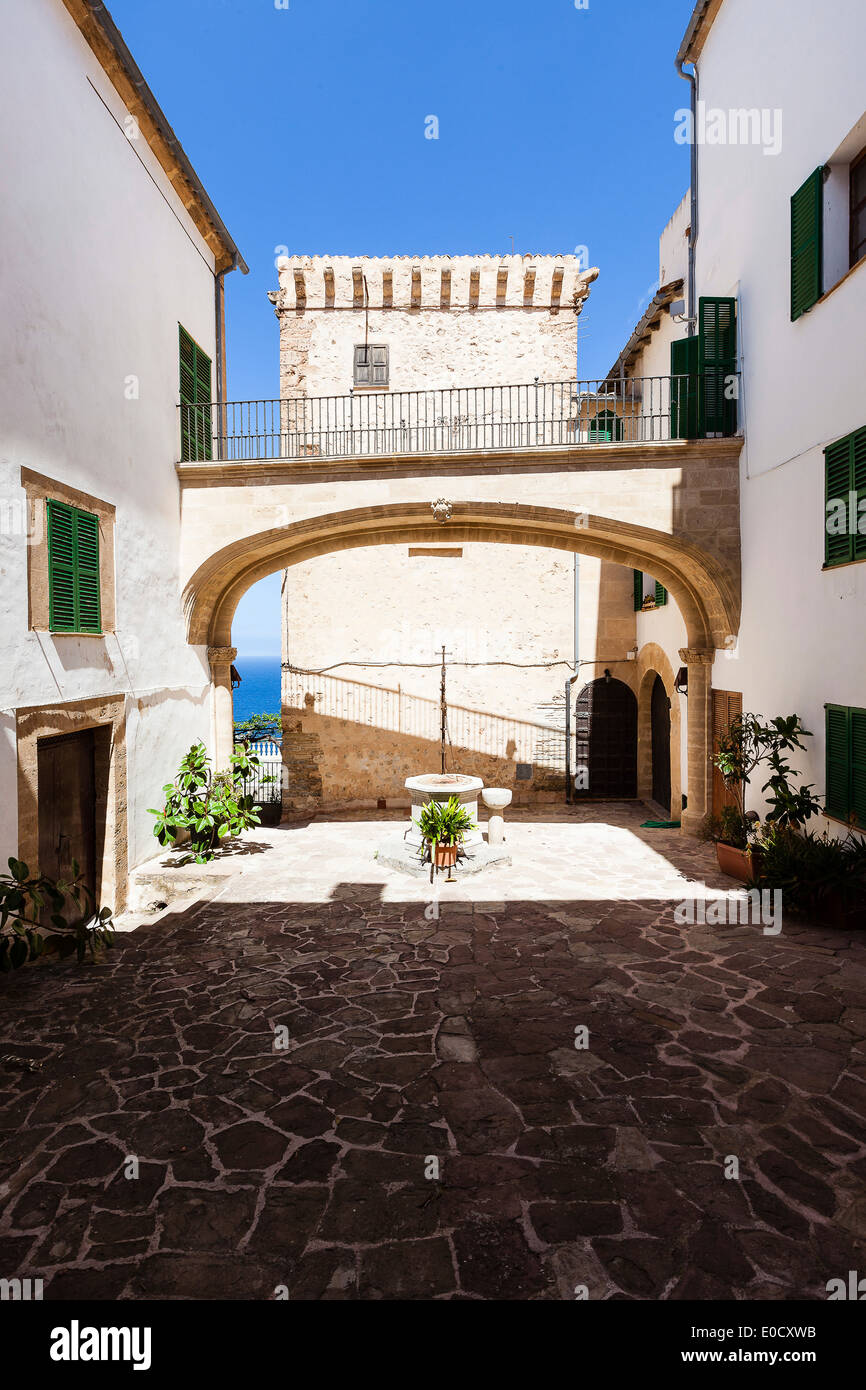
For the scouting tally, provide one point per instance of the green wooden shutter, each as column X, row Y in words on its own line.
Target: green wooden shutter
column 717, row 363
column 807, row 244
column 61, row 567
column 661, row 595
column 88, row 617
column 857, row 794
column 837, row 763
column 838, row 483
column 73, row 569
column 195, row 394
column 684, row 388
column 858, row 486
column 638, row 590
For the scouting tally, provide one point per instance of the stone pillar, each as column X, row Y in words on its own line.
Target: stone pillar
column 221, row 659
column 700, row 737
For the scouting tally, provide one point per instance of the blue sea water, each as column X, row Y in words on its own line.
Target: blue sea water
column 259, row 690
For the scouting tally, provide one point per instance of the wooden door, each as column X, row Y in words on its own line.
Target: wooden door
column 726, row 703
column 67, row 807
column 606, row 739
column 661, row 744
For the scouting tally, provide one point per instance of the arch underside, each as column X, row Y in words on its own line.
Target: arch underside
column 705, row 591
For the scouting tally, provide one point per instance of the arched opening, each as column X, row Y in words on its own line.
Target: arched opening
column 606, row 740
column 660, row 714
column 705, row 592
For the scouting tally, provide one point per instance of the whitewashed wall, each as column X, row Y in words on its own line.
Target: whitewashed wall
column 100, row 262
column 802, row 635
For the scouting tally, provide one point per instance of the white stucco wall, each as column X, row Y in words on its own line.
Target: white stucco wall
column 802, row 636
column 100, row 262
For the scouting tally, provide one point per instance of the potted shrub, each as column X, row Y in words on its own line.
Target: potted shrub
column 744, row 746
column 444, row 825
column 210, row 807
column 819, row 876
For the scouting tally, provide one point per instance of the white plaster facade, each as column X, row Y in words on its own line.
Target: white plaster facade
column 102, row 259
column 801, row 640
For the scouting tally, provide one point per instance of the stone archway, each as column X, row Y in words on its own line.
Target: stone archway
column 652, row 664
column 705, row 591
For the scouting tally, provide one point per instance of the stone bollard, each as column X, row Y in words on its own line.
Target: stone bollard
column 496, row 799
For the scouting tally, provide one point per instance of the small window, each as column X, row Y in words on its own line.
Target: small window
column 858, row 208
column 648, row 593
column 845, row 753
column 73, row 569
column 371, row 364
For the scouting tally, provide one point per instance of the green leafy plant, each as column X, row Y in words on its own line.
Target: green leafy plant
column 258, row 726
column 812, row 869
column 730, row 827
column 209, row 806
column 445, row 822
column 75, row 924
column 748, row 744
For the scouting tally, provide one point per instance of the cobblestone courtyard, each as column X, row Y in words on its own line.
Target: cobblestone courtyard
column 413, row 1037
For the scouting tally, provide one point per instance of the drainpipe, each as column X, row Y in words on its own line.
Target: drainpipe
column 572, row 679
column 692, row 79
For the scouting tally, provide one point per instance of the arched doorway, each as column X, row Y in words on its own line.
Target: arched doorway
column 661, row 744
column 606, row 740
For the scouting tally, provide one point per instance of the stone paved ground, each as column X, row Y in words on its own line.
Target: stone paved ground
column 414, row 1037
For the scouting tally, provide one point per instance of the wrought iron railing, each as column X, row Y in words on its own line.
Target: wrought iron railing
column 462, row 419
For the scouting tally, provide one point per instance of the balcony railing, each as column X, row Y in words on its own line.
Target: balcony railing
column 462, row 419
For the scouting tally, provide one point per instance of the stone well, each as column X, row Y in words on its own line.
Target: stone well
column 439, row 786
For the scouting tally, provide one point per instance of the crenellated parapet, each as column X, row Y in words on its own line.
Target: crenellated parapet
column 519, row 282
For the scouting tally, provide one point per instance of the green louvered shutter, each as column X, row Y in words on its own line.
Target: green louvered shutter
column 684, row 388
column 661, row 595
column 61, row 567
column 638, row 590
column 73, row 569
column 195, row 394
column 837, row 762
column 838, row 484
column 858, row 486
column 717, row 365
column 857, row 795
column 87, row 565
column 807, row 244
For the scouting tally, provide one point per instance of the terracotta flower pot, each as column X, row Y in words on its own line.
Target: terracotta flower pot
column 445, row 856
column 743, row 864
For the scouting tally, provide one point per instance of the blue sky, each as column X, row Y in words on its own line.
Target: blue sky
column 306, row 125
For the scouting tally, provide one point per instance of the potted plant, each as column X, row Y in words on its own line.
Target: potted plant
column 43, row 916
column 744, row 746
column 210, row 807
column 444, row 825
column 820, row 876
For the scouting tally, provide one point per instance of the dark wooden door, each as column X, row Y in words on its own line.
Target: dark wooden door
column 606, row 739
column 67, row 807
column 661, row 744
column 726, row 703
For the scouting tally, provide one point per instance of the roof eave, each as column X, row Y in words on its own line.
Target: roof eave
column 106, row 42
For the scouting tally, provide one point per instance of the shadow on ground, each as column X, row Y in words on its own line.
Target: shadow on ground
column 708, row 1143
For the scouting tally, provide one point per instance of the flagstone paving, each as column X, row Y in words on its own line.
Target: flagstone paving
column 432, row 1130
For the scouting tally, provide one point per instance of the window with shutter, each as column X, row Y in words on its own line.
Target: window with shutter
column 684, row 388
column 195, row 399
column 717, row 367
column 845, row 763
column 371, row 364
column 638, row 590
column 807, row 244
column 73, row 569
column 845, row 500
column 661, row 595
